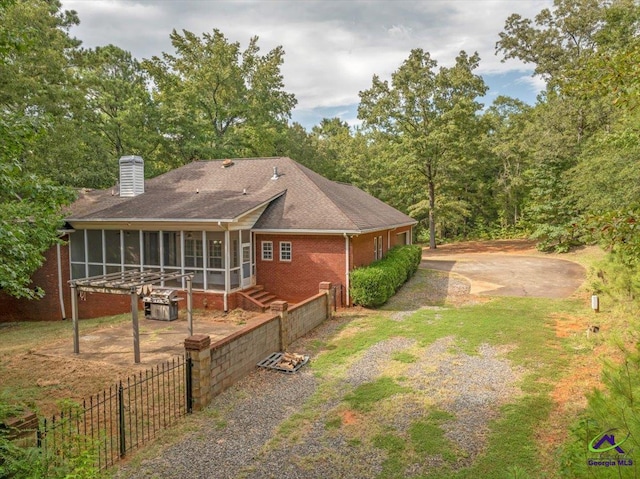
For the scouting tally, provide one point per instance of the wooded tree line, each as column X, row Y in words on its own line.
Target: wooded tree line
column 564, row 171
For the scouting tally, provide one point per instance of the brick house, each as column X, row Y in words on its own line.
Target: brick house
column 250, row 230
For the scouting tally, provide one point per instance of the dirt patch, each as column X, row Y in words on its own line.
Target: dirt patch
column 46, row 371
column 348, row 418
column 567, row 326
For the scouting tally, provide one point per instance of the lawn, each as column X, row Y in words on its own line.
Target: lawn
column 433, row 385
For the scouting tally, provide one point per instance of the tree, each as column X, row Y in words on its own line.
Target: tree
column 508, row 119
column 29, row 205
column 432, row 117
column 217, row 100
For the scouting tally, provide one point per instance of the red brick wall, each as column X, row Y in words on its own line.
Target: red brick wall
column 395, row 233
column 362, row 248
column 315, row 258
column 47, row 308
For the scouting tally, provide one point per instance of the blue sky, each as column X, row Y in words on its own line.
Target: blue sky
column 332, row 47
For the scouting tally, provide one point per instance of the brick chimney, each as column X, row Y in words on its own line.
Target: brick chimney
column 131, row 176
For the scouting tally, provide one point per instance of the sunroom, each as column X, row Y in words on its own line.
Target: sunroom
column 221, row 260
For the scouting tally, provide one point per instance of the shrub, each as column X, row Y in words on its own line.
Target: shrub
column 371, row 286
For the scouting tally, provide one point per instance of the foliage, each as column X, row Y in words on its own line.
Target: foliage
column 431, row 115
column 613, row 408
column 373, row 285
column 29, row 214
column 217, row 100
column 27, row 461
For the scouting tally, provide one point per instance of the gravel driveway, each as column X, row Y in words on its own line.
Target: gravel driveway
column 232, row 440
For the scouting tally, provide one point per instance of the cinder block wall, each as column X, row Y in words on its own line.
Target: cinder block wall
column 233, row 357
column 306, row 316
column 219, row 365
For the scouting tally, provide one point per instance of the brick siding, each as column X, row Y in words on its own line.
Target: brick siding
column 47, row 308
column 315, row 258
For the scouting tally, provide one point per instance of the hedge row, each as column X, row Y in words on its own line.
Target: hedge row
column 371, row 286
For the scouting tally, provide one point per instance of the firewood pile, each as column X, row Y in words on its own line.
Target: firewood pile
column 284, row 362
column 289, row 361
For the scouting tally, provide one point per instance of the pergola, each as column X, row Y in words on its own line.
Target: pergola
column 133, row 283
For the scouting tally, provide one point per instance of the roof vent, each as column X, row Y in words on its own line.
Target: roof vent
column 275, row 173
column 131, row 176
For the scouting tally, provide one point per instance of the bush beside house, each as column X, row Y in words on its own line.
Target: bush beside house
column 373, row 285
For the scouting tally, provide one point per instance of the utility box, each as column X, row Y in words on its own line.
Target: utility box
column 161, row 304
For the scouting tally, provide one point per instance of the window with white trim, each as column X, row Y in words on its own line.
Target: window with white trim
column 285, row 251
column 216, row 254
column 267, row 250
column 193, row 250
column 375, row 248
column 380, row 247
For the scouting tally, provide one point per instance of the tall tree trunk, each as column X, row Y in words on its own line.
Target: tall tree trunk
column 432, row 216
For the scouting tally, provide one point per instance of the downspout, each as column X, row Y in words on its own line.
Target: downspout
column 347, row 274
column 227, row 264
column 60, row 292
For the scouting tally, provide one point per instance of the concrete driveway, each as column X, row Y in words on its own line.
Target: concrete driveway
column 503, row 272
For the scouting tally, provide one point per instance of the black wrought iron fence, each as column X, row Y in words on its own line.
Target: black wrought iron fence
column 129, row 414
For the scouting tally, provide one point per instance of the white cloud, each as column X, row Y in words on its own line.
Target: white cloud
column 535, row 84
column 332, row 48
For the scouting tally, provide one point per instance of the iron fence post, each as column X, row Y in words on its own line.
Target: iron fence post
column 121, row 428
column 189, row 385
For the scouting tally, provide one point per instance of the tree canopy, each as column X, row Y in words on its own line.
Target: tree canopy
column 426, row 145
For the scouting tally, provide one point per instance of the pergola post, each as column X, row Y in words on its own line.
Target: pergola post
column 190, row 304
column 136, row 329
column 74, row 318
column 123, row 283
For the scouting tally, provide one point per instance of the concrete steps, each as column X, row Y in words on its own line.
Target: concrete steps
column 259, row 297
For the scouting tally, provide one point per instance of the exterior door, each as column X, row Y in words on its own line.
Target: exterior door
column 247, row 277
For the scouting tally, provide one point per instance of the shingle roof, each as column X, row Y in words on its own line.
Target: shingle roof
column 299, row 199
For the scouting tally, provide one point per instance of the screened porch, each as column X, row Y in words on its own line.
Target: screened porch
column 220, row 261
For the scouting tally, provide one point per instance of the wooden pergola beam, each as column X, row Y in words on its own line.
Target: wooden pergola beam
column 126, row 283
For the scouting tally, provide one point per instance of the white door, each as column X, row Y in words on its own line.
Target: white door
column 247, row 279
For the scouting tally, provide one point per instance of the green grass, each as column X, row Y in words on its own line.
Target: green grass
column 366, row 396
column 404, row 357
column 521, row 326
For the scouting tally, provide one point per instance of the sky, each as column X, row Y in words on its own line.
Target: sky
column 332, row 47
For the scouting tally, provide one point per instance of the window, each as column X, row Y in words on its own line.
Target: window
column 235, row 254
column 216, row 254
column 151, row 248
column 77, row 247
column 285, row 251
column 171, row 240
column 132, row 247
column 112, row 247
column 379, row 247
column 267, row 250
column 94, row 244
column 193, row 250
column 375, row 248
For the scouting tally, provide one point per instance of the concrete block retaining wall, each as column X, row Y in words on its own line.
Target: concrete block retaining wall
column 217, row 366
